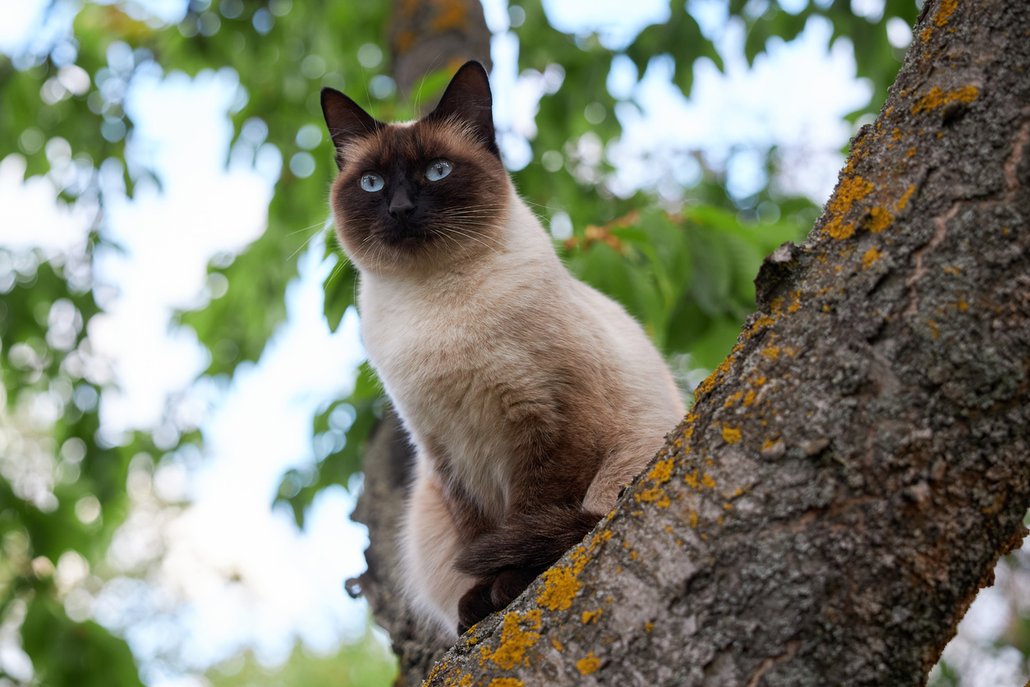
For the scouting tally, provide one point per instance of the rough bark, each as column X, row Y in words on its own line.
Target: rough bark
column 849, row 476
column 433, row 35
column 424, row 37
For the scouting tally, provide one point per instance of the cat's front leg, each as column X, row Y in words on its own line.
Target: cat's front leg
column 493, row 594
column 506, row 559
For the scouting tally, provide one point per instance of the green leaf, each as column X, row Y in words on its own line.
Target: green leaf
column 361, row 410
column 69, row 654
column 340, row 290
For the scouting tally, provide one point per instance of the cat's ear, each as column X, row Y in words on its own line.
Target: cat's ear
column 346, row 120
column 468, row 99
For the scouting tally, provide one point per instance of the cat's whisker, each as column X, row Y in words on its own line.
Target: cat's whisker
column 433, row 66
column 449, row 236
column 303, row 245
column 323, row 224
column 495, row 248
column 541, row 205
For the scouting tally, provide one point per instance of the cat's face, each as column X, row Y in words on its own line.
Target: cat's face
column 418, row 196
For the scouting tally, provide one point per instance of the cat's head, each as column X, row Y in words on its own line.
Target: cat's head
column 419, row 195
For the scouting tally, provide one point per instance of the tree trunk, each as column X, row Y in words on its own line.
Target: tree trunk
column 435, row 35
column 851, row 473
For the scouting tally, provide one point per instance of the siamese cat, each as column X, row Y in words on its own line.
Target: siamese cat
column 530, row 398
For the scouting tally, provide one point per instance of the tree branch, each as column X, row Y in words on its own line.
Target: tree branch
column 850, row 474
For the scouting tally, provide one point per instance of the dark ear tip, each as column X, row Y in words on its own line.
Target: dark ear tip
column 473, row 66
column 328, row 93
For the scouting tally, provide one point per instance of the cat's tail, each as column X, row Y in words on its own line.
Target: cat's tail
column 531, row 540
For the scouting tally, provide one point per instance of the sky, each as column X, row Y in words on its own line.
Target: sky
column 290, row 582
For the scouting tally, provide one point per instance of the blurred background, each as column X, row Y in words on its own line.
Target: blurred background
column 184, row 399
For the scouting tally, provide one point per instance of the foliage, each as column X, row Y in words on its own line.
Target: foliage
column 684, row 270
column 365, row 662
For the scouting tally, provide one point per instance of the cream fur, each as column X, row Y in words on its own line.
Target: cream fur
column 462, row 350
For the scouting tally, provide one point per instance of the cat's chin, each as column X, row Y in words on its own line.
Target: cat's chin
column 401, row 253
column 406, row 240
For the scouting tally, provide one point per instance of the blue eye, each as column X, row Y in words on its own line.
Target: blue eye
column 372, row 182
column 438, row 169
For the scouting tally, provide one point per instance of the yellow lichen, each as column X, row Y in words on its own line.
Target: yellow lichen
column 749, row 397
column 655, row 495
column 938, row 98
column 709, row 383
column 561, row 583
column 648, row 626
column 903, row 201
column 850, row 190
column 731, row 435
column 769, row 443
column 732, row 398
column 660, row 473
column 870, row 257
column 879, row 219
column 944, row 11
column 588, row 664
column 590, row 616
column 692, row 479
column 556, row 643
column 935, row 331
column 515, row 641
column 838, row 230
column 449, row 15
column 760, row 323
column 688, row 431
column 771, row 352
column 403, row 41
column 707, row 481
column 692, row 519
column 436, row 670
column 962, row 305
column 505, row 682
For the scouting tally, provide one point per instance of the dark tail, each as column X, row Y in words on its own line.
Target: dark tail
column 533, row 540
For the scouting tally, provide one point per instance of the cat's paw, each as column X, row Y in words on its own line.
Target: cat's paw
column 475, row 605
column 493, row 594
column 510, row 583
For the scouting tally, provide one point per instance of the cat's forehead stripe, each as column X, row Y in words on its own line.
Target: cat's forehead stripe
column 413, row 140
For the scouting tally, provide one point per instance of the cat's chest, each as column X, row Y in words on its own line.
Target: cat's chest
column 448, row 368
column 421, row 342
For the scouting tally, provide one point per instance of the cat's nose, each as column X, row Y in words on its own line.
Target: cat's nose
column 401, row 206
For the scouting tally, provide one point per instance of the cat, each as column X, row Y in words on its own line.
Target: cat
column 531, row 399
